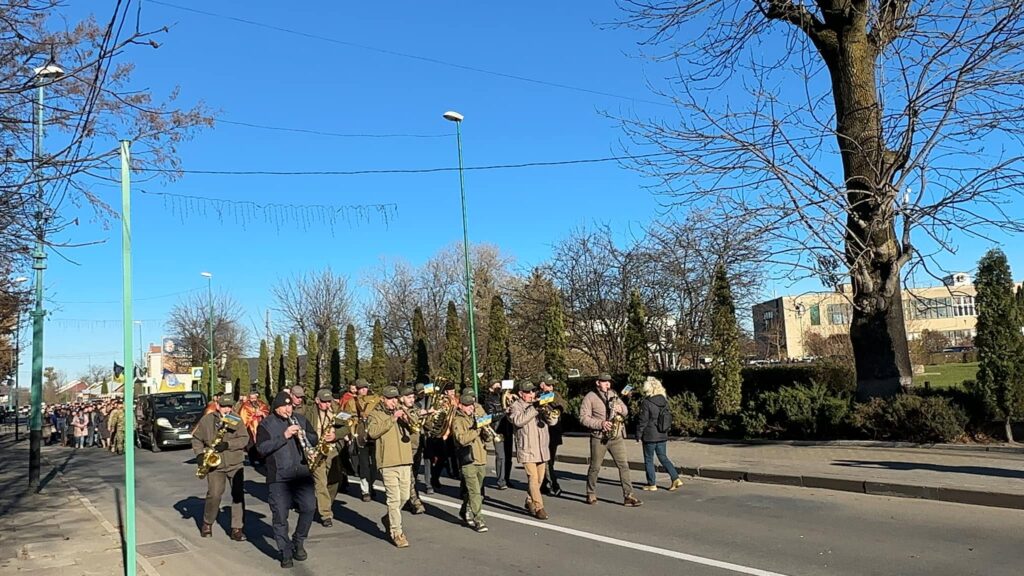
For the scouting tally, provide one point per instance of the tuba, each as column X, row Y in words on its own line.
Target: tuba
column 440, row 422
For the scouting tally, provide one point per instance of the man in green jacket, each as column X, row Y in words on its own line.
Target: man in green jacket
column 388, row 427
column 231, row 448
column 472, row 457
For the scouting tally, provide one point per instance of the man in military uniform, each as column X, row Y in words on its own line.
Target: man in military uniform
column 361, row 447
column 327, row 475
column 388, row 427
column 116, row 423
column 547, row 384
column 495, row 404
column 231, row 448
column 408, row 404
column 472, row 456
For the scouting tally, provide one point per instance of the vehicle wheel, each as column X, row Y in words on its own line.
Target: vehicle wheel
column 153, row 444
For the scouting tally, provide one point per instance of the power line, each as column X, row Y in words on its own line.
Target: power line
column 402, row 170
column 413, row 56
column 326, row 133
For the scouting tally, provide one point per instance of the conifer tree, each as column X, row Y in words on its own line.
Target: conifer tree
column 451, row 361
column 263, row 369
column 726, row 378
column 378, row 358
column 421, row 359
column 999, row 341
column 311, row 379
column 291, row 367
column 498, row 358
column 351, row 355
column 279, row 365
column 334, row 370
column 244, row 378
column 636, row 350
column 555, row 346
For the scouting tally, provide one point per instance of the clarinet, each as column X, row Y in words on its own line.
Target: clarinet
column 308, row 451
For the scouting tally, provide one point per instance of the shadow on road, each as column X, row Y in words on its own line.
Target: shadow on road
column 908, row 466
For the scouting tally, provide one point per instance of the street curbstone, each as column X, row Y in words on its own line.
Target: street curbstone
column 834, row 483
column 979, row 498
column 722, row 474
column 780, row 479
column 900, row 490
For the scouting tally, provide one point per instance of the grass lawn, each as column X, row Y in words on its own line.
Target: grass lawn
column 947, row 375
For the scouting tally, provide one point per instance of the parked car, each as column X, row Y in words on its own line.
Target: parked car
column 167, row 419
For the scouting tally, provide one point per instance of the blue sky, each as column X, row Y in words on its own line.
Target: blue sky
column 255, row 75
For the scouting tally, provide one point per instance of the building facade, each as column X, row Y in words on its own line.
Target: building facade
column 783, row 327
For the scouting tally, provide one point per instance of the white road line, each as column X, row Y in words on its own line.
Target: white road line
column 737, row 568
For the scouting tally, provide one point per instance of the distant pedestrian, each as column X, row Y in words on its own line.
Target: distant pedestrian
column 80, row 425
column 655, row 421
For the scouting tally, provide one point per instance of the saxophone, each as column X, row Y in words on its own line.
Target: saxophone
column 321, row 451
column 210, row 459
column 617, row 422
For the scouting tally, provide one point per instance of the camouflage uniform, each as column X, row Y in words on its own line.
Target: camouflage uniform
column 116, row 424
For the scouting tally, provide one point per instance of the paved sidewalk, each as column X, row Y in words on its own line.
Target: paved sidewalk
column 969, row 477
column 52, row 531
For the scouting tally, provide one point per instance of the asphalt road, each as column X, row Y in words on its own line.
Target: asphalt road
column 708, row 528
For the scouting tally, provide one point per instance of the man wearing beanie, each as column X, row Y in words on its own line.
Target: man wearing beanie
column 472, row 457
column 388, row 427
column 283, row 439
column 231, row 448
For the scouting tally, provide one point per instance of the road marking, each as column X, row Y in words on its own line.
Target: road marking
column 692, row 558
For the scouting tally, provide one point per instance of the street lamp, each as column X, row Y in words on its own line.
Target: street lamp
column 17, row 366
column 43, row 76
column 209, row 292
column 453, row 116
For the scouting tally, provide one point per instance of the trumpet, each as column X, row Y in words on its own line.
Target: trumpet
column 487, row 434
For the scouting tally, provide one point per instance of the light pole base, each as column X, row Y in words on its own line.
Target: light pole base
column 35, row 447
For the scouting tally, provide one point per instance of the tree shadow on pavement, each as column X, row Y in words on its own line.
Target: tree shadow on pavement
column 910, row 466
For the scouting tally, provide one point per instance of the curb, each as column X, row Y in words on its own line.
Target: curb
column 838, row 483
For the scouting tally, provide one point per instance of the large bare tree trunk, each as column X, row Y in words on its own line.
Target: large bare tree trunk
column 873, row 254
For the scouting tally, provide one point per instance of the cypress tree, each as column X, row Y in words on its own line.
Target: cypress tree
column 311, row 379
column 279, row 363
column 378, row 358
column 334, row 371
column 999, row 341
column 555, row 347
column 351, row 355
column 291, row 367
column 636, row 350
column 451, row 361
column 419, row 347
column 726, row 380
column 263, row 369
column 244, row 378
column 498, row 358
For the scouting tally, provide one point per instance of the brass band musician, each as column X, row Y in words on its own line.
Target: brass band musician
column 604, row 413
column 229, row 444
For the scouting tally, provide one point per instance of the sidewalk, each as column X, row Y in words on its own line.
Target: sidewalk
column 992, row 478
column 52, row 532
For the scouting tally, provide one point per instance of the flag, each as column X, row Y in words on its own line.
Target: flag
column 118, row 373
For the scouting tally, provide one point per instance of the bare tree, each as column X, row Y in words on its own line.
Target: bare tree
column 313, row 302
column 891, row 95
column 393, row 297
column 189, row 320
column 87, row 109
column 98, row 374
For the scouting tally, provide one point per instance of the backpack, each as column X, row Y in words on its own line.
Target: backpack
column 664, row 423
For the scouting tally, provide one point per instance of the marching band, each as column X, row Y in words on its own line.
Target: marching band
column 308, row 450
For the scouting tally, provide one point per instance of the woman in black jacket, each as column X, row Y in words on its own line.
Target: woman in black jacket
column 652, row 429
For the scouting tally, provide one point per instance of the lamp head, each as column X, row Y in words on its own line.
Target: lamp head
column 20, row 279
column 453, row 116
column 206, row 274
column 50, row 71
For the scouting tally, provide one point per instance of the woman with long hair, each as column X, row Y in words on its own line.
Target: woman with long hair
column 652, row 429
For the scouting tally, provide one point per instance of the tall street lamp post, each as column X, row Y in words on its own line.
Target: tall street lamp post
column 142, row 355
column 455, row 117
column 43, row 76
column 17, row 367
column 209, row 292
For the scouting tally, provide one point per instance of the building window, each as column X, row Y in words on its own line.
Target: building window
column 816, row 315
column 839, row 314
column 964, row 306
column 768, row 320
column 928, row 308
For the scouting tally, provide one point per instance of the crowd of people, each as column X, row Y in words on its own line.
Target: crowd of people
column 90, row 424
column 311, row 450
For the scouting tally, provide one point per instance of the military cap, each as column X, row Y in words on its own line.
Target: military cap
column 361, row 383
column 467, row 398
column 390, row 392
column 324, row 395
column 406, row 390
column 604, row 377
